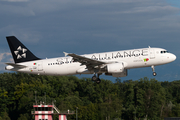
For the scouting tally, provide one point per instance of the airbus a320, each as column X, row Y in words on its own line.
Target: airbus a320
column 115, row 63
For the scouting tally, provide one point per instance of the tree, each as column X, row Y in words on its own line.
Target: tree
column 23, row 117
column 5, row 116
column 128, row 101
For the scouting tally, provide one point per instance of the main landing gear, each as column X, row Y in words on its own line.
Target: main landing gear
column 153, row 69
column 96, row 78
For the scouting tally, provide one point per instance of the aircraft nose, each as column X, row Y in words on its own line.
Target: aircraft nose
column 173, row 57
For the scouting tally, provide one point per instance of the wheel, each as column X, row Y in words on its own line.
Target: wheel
column 98, row 81
column 94, row 78
column 154, row 73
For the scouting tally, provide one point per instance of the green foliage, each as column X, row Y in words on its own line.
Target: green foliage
column 5, row 116
column 143, row 98
column 23, row 117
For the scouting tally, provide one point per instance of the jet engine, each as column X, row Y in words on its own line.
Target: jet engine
column 115, row 68
column 122, row 74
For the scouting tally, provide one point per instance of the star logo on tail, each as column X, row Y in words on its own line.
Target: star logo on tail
column 20, row 52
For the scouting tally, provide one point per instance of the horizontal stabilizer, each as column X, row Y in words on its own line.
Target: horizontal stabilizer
column 16, row 65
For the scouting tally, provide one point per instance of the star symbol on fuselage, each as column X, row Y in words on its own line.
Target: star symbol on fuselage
column 20, row 52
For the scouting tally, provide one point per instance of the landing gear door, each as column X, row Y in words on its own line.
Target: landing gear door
column 152, row 53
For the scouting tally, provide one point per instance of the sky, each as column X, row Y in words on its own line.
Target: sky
column 49, row 27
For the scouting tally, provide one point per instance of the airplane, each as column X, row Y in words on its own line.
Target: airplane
column 116, row 63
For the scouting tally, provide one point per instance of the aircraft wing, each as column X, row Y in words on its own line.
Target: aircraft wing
column 16, row 65
column 90, row 63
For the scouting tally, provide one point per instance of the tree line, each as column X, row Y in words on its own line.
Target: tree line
column 133, row 99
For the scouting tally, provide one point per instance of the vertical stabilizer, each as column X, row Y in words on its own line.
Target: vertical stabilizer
column 20, row 52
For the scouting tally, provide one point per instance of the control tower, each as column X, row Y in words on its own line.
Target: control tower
column 46, row 112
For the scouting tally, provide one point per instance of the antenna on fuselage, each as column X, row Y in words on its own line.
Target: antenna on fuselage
column 149, row 46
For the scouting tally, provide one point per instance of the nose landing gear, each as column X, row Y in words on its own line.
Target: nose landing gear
column 153, row 69
column 154, row 73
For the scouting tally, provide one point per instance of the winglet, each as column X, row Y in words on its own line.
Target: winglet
column 65, row 53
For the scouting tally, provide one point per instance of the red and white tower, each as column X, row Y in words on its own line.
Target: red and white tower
column 43, row 112
column 46, row 112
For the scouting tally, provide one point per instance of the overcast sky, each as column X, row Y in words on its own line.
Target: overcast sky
column 49, row 27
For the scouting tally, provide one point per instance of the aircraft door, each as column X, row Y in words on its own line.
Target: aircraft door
column 152, row 53
column 40, row 66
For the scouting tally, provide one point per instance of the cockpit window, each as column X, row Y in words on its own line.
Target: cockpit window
column 164, row 52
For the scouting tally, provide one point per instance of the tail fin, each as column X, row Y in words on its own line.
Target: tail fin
column 19, row 52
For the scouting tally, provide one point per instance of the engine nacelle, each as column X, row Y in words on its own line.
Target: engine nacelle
column 122, row 74
column 115, row 67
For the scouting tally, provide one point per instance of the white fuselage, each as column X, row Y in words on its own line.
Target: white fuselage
column 135, row 58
